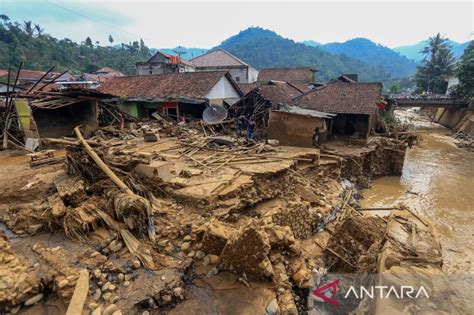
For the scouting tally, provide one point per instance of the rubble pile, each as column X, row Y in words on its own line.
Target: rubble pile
column 464, row 140
column 150, row 218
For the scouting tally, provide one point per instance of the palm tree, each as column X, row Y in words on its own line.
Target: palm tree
column 28, row 27
column 435, row 43
column 111, row 39
column 39, row 30
column 438, row 65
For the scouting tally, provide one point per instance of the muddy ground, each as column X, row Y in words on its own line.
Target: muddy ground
column 209, row 228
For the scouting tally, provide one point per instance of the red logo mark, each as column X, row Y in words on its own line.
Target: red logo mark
column 319, row 292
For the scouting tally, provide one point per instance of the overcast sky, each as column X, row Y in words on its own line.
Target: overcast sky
column 205, row 24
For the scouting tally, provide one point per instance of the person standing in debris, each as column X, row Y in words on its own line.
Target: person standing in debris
column 251, row 129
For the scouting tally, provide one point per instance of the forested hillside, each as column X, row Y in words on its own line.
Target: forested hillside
column 265, row 49
column 374, row 54
column 39, row 51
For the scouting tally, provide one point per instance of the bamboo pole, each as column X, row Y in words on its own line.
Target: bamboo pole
column 79, row 296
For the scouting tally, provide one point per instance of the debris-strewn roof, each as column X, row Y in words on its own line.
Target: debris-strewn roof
column 343, row 98
column 188, row 84
column 303, row 111
column 287, row 74
column 108, row 70
column 247, row 87
column 278, row 92
column 35, row 75
column 217, row 58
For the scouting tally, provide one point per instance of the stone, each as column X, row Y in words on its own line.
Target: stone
column 187, row 238
column 106, row 296
column 16, row 309
column 109, row 310
column 121, row 277
column 136, row 264
column 118, row 312
column 126, row 283
column 63, row 283
column 200, row 254
column 163, row 243
column 35, row 299
column 213, row 259
column 272, row 307
column 128, row 277
column 167, row 299
column 191, row 254
column 97, row 294
column 97, row 273
column 185, row 246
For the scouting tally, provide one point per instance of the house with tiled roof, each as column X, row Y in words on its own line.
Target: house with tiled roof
column 175, row 94
column 269, row 105
column 220, row 59
column 303, row 77
column 356, row 105
column 163, row 63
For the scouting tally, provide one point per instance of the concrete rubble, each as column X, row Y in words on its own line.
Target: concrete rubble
column 221, row 223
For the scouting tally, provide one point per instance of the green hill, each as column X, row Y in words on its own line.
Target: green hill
column 374, row 54
column 265, row 49
column 41, row 51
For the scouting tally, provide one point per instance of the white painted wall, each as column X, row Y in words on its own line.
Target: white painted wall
column 253, row 75
column 221, row 91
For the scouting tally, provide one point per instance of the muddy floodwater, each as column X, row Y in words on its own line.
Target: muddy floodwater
column 437, row 181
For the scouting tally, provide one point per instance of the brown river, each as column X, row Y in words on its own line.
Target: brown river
column 438, row 182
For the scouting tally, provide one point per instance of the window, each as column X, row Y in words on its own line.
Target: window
column 237, row 79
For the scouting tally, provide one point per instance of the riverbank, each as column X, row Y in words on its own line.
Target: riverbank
column 437, row 181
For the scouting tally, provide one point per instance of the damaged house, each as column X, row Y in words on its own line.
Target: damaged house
column 175, row 95
column 221, row 59
column 56, row 114
column 304, row 78
column 356, row 106
column 269, row 107
column 162, row 63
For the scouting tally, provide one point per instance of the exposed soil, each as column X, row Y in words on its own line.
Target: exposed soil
column 208, row 228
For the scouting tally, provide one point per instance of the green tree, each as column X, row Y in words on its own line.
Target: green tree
column 438, row 65
column 394, row 88
column 28, row 27
column 465, row 74
column 88, row 42
column 111, row 39
column 39, row 30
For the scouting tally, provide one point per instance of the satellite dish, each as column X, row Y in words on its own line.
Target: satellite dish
column 214, row 114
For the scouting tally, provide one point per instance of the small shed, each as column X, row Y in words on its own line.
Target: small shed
column 294, row 126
